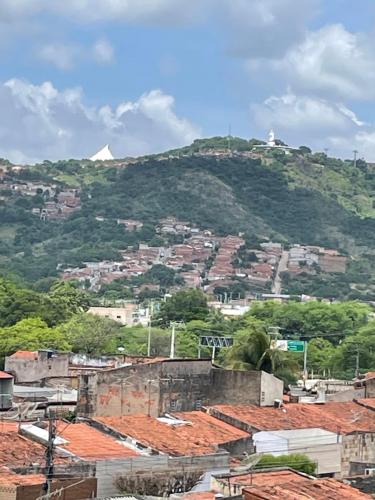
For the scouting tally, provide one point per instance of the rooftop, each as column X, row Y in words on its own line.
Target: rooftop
column 345, row 417
column 321, row 489
column 18, row 451
column 90, row 444
column 25, row 355
column 8, row 478
column 5, row 375
column 367, row 402
column 261, row 478
column 200, row 433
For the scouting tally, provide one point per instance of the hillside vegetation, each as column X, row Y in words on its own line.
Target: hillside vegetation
column 296, row 198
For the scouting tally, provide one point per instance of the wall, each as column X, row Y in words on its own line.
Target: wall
column 171, row 386
column 6, row 393
column 358, row 446
column 156, row 475
column 348, row 395
column 8, row 492
column 370, row 388
column 123, row 315
column 271, row 389
column 81, row 491
column 30, row 370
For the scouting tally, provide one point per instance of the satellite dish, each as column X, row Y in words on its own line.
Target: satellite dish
column 103, row 154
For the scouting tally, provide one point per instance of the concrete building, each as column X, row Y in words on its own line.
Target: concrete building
column 126, row 315
column 353, row 421
column 321, row 446
column 31, row 366
column 172, row 385
column 6, row 390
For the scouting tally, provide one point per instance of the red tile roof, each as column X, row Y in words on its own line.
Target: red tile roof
column 268, row 478
column 344, row 417
column 320, row 489
column 25, row 355
column 9, row 478
column 199, row 495
column 367, row 402
column 90, row 444
column 5, row 375
column 199, row 436
column 18, row 451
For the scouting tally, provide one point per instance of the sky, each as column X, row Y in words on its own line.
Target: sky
column 150, row 75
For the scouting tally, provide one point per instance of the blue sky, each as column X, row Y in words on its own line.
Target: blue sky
column 148, row 75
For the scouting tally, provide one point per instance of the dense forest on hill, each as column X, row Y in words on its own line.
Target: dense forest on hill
column 290, row 198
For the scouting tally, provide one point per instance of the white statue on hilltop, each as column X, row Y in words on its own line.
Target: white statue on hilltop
column 271, row 139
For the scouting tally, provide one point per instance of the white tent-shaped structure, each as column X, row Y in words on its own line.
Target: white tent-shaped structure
column 103, row 154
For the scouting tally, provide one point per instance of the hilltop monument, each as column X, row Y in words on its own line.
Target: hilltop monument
column 271, row 139
column 103, row 154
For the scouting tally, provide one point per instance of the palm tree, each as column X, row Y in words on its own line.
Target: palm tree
column 252, row 350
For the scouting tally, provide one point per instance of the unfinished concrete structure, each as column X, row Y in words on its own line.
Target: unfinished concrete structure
column 31, row 366
column 6, row 390
column 172, row 385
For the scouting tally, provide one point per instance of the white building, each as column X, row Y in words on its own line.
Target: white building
column 321, row 446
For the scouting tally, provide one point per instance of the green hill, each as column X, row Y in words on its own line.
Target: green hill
column 291, row 198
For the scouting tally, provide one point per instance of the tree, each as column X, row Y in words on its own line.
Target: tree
column 31, row 334
column 252, row 350
column 91, row 334
column 63, row 301
column 296, row 461
column 185, row 305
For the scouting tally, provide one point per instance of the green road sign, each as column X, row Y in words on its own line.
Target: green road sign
column 296, row 345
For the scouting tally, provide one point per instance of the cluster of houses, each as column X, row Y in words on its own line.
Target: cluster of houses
column 205, row 260
column 306, row 259
column 182, row 428
column 57, row 204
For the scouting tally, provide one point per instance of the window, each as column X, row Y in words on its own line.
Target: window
column 173, row 404
column 198, row 404
column 262, row 396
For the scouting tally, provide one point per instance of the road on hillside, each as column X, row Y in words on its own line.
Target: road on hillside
column 283, row 266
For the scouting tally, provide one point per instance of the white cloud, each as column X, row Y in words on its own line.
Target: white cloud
column 63, row 56
column 149, row 11
column 331, row 61
column 315, row 122
column 103, row 51
column 41, row 122
column 264, row 28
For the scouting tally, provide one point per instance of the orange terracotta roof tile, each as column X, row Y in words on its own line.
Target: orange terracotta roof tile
column 320, row 489
column 9, row 478
column 344, row 417
column 90, row 444
column 25, row 355
column 5, row 375
column 369, row 375
column 199, row 495
column 268, row 478
column 367, row 402
column 201, row 435
column 17, row 451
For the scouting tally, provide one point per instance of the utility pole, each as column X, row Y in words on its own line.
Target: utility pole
column 49, row 452
column 355, row 157
column 305, row 361
column 229, row 137
column 173, row 340
column 149, row 330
